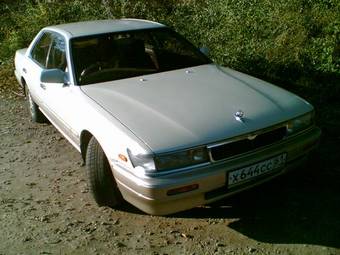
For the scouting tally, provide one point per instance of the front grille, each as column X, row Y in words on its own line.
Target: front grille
column 245, row 145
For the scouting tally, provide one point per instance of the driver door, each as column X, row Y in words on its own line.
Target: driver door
column 60, row 97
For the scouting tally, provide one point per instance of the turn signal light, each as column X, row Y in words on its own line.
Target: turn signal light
column 122, row 157
column 183, row 189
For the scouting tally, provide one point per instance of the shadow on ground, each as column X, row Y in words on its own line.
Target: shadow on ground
column 300, row 208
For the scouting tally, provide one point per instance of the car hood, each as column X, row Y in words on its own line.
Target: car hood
column 189, row 107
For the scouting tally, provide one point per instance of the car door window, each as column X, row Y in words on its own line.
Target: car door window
column 49, row 51
column 41, row 48
column 57, row 56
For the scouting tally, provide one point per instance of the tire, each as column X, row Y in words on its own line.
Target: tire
column 102, row 183
column 36, row 115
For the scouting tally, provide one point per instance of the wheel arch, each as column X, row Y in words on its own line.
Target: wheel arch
column 85, row 138
column 23, row 84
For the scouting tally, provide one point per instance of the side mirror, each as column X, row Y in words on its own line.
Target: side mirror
column 52, row 76
column 205, row 50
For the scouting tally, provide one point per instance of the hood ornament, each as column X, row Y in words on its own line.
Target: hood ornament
column 239, row 115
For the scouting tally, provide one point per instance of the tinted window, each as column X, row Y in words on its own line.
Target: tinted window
column 57, row 56
column 121, row 55
column 41, row 48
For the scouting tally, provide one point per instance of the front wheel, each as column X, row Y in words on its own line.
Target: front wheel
column 102, row 183
column 36, row 115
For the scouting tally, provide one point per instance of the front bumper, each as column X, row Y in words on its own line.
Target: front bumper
column 150, row 193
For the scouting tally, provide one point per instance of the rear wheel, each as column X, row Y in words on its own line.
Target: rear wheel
column 36, row 114
column 102, row 183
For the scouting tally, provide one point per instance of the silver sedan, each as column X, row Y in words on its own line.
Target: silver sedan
column 156, row 121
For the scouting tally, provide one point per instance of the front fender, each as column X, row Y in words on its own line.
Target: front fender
column 112, row 135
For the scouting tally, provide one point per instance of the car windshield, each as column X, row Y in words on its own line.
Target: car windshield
column 114, row 56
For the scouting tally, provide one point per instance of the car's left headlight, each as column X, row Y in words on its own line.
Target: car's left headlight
column 300, row 123
column 182, row 159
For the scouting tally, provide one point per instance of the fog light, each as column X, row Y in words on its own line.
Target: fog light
column 183, row 189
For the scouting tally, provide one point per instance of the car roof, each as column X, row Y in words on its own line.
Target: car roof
column 85, row 28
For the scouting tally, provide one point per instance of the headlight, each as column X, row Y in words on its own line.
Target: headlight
column 300, row 123
column 182, row 159
column 144, row 161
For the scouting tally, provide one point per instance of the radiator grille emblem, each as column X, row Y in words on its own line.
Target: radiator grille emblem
column 239, row 115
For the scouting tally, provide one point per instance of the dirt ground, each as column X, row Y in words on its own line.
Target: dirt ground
column 46, row 208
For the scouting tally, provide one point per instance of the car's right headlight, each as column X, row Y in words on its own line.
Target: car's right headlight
column 148, row 163
column 300, row 123
column 181, row 159
column 144, row 162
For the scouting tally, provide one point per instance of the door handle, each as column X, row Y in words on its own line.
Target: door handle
column 24, row 70
column 43, row 86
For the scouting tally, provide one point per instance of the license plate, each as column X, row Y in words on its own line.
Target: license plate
column 247, row 173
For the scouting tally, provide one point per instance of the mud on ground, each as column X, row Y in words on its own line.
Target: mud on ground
column 46, row 207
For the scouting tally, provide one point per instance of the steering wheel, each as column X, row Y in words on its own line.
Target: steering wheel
column 91, row 69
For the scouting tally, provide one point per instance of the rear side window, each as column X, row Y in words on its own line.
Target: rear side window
column 41, row 48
